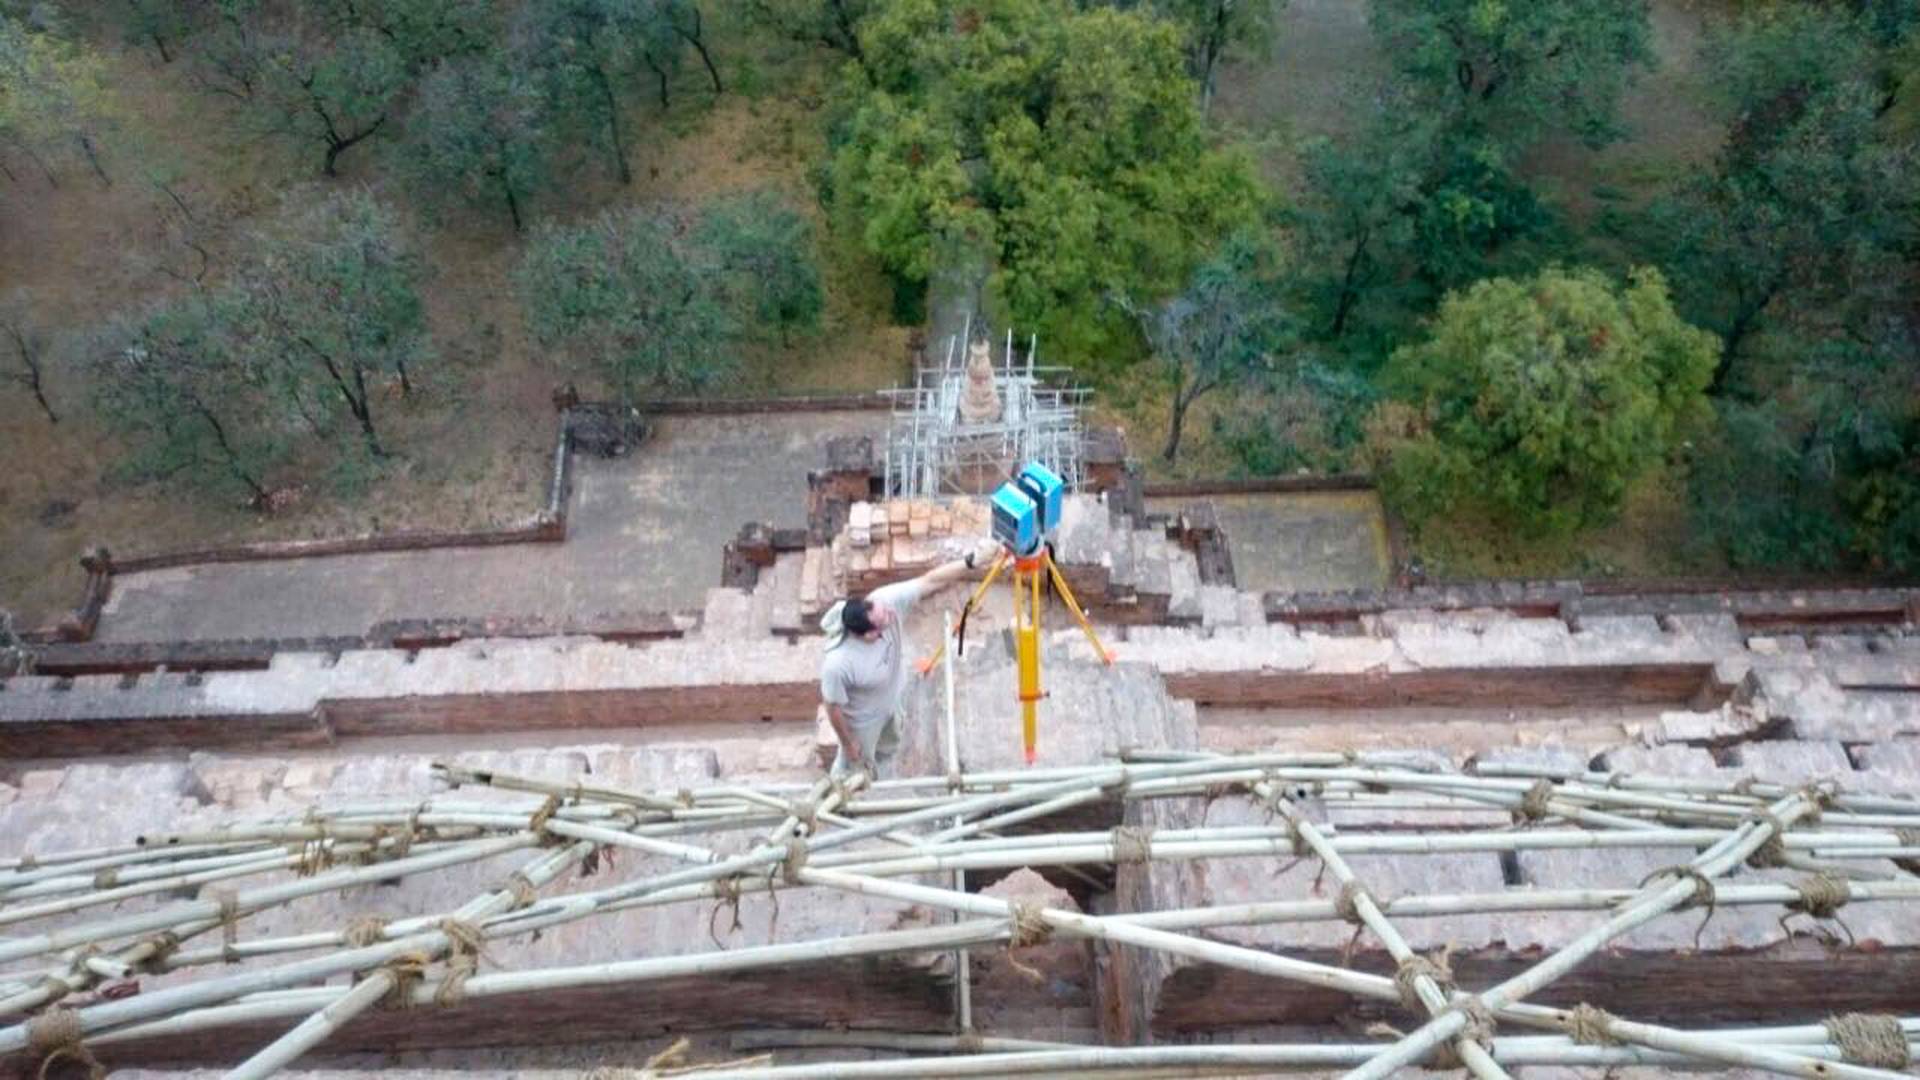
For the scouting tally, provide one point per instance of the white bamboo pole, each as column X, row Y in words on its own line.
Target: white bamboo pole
column 962, row 960
column 1655, row 900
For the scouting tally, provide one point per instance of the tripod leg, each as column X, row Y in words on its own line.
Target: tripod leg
column 1000, row 561
column 1073, row 605
column 1026, row 638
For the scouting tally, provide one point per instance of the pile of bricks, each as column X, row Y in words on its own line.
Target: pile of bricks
column 886, row 541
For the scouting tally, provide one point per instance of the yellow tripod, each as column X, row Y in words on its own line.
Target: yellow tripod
column 1026, row 575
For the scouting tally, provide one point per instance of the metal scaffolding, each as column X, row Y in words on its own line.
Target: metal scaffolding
column 933, row 450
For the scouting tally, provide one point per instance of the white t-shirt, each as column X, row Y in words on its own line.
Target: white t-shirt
column 868, row 679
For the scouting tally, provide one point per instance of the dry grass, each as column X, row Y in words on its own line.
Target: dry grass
column 471, row 447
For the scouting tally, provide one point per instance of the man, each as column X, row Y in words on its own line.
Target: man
column 863, row 678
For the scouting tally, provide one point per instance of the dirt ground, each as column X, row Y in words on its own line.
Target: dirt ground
column 472, row 447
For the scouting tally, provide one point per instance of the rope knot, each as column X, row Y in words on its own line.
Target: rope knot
column 364, row 931
column 405, row 970
column 1703, row 895
column 1132, row 844
column 1030, row 927
column 1772, row 851
column 795, row 861
column 1346, row 905
column 55, row 1035
column 1406, row 976
column 1533, row 805
column 1871, row 1039
column 537, row 821
column 1590, row 1025
column 1821, row 895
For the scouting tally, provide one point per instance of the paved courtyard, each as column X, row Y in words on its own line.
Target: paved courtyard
column 1301, row 542
column 645, row 534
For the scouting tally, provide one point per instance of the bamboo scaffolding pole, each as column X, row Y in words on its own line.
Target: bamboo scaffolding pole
column 1655, row 900
column 315, row 1028
column 1431, row 996
column 827, row 838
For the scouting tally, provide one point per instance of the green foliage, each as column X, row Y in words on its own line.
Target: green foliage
column 587, row 56
column 333, row 93
column 475, row 136
column 1065, row 143
column 1542, row 399
column 423, row 31
column 1302, row 415
column 1808, row 208
column 832, row 23
column 187, row 402
column 1219, row 331
column 1214, row 29
column 330, row 305
column 227, row 385
column 1512, row 70
column 53, row 94
column 764, row 252
column 627, row 293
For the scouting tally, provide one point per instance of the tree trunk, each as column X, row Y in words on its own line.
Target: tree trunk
column 1179, row 418
column 233, row 458
column 363, row 411
column 31, row 361
column 700, row 47
column 613, row 121
column 660, row 73
column 336, row 145
column 93, row 159
column 161, row 44
column 513, row 203
column 1349, row 295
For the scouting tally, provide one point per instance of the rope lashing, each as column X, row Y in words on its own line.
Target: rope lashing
column 106, row 879
column 1589, row 1025
column 1533, row 805
column 727, row 889
column 364, row 931
column 405, row 970
column 1704, row 894
column 1132, row 845
column 229, row 902
column 537, row 821
column 54, row 1036
column 1478, row 1029
column 1437, row 967
column 1030, row 927
column 1346, row 904
column 795, row 861
column 466, row 945
column 1821, row 895
column 524, row 894
column 1773, row 851
column 1871, row 1039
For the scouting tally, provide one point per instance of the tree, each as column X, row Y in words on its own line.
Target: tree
column 1068, row 144
column 1542, row 399
column 834, row 24
column 157, row 22
column 1221, row 329
column 1212, row 28
column 586, row 56
column 422, row 31
column 336, row 92
column 329, row 306
column 628, row 293
column 54, row 95
column 1806, row 212
column 475, row 135
column 1511, row 70
column 23, row 340
column 172, row 383
column 764, row 253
